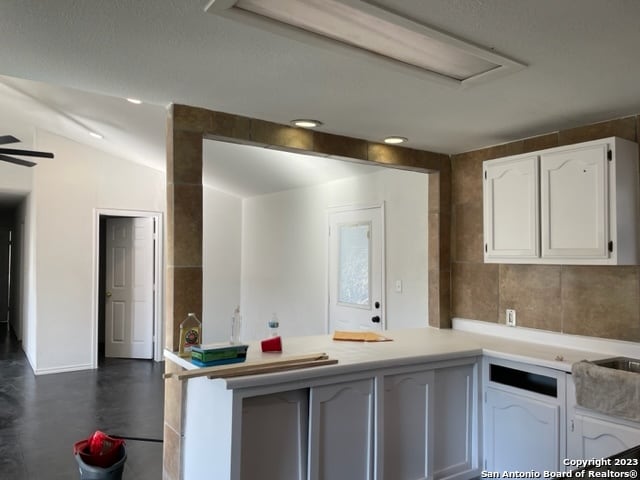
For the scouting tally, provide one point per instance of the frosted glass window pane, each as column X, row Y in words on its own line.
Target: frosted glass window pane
column 354, row 269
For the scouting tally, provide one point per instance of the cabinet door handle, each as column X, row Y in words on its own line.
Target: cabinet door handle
column 573, row 425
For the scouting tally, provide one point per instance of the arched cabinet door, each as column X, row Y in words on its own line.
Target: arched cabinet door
column 511, row 212
column 341, row 431
column 574, row 190
column 455, row 421
column 507, row 416
column 430, row 425
column 408, row 408
column 272, row 425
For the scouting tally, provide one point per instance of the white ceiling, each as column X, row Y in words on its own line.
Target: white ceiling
column 247, row 171
column 133, row 132
column 581, row 58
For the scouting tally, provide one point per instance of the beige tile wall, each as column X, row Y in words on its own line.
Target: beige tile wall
column 594, row 301
column 186, row 128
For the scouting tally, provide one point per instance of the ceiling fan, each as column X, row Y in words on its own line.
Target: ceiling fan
column 6, row 152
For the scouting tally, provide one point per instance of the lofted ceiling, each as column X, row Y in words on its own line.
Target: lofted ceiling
column 580, row 57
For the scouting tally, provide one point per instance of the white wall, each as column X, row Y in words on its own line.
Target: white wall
column 59, row 329
column 15, row 179
column 222, row 230
column 284, row 251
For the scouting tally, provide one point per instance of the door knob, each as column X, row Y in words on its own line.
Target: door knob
column 375, row 319
column 108, row 294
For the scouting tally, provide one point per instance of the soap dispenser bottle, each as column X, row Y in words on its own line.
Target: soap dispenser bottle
column 190, row 334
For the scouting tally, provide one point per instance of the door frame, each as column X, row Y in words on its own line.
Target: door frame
column 158, row 300
column 383, row 294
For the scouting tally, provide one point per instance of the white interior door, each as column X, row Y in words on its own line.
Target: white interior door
column 356, row 269
column 129, row 288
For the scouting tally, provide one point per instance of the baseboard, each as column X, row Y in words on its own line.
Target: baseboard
column 69, row 368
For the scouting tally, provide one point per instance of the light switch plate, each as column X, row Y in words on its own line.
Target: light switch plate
column 511, row 317
column 398, row 286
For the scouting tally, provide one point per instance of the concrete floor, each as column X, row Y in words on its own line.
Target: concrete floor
column 42, row 417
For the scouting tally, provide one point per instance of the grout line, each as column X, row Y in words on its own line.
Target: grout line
column 561, row 302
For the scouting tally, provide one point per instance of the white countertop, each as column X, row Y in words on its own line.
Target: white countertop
column 419, row 346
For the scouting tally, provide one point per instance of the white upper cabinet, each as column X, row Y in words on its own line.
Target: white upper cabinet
column 511, row 218
column 574, row 192
column 576, row 204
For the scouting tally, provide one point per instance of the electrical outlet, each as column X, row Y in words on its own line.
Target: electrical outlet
column 511, row 317
column 398, row 286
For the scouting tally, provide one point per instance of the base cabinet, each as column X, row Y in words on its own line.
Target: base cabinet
column 273, row 425
column 407, row 406
column 410, row 422
column 455, row 421
column 521, row 433
column 523, row 417
column 596, row 438
column 430, row 424
column 341, row 431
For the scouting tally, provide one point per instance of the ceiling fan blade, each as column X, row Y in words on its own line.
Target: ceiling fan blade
column 17, row 161
column 4, row 139
column 26, row 153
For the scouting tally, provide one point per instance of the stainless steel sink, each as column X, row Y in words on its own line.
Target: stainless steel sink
column 620, row 363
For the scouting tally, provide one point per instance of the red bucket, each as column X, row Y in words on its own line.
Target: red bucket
column 99, row 450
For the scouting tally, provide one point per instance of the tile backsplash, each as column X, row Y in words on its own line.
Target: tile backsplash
column 584, row 300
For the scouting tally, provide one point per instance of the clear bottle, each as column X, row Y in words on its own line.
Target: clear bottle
column 236, row 326
column 273, row 325
column 190, row 334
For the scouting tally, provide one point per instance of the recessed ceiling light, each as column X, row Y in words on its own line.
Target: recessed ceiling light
column 306, row 123
column 393, row 140
column 135, row 101
column 96, row 135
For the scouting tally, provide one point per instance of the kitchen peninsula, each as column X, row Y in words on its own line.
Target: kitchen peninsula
column 409, row 408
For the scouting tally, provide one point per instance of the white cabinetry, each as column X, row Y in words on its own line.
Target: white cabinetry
column 407, row 410
column 511, row 212
column 588, row 197
column 522, row 433
column 272, row 425
column 574, row 186
column 455, row 421
column 405, row 422
column 524, row 419
column 431, row 423
column 341, row 431
column 594, row 435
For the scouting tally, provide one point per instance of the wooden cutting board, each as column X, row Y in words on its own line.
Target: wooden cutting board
column 294, row 362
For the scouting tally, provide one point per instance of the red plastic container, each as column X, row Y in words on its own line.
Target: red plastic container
column 273, row 344
column 99, row 450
